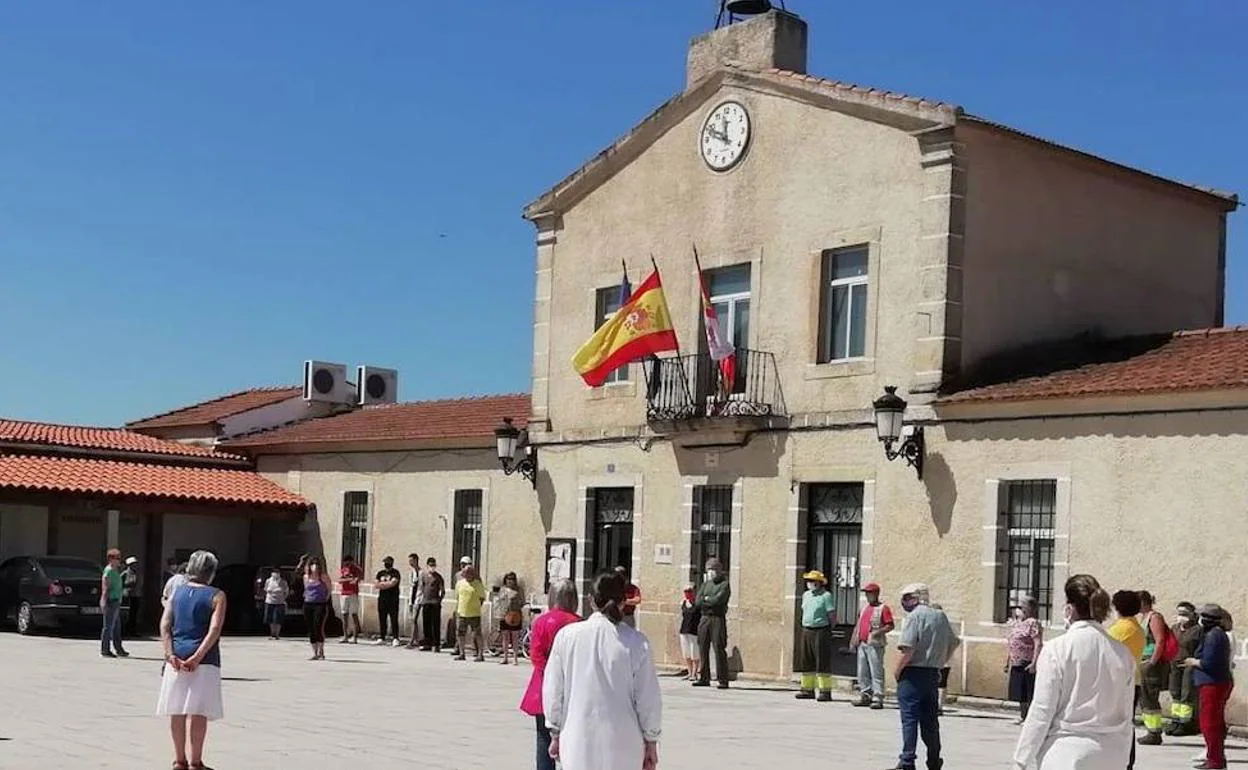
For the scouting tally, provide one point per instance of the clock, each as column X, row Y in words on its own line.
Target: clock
column 725, row 136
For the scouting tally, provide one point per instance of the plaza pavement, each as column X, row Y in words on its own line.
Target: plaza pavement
column 370, row 707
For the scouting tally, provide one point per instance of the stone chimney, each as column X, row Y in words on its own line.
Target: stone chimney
column 773, row 39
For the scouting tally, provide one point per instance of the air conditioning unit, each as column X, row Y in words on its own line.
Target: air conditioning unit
column 326, row 382
column 374, row 385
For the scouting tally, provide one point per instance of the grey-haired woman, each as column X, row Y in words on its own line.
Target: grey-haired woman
column 190, row 688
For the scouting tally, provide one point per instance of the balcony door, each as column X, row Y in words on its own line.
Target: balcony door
column 729, row 290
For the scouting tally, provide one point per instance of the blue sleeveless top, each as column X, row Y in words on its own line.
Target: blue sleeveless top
column 192, row 614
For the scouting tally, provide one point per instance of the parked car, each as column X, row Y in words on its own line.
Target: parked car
column 50, row 592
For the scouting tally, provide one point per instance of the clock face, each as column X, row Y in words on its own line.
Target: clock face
column 725, row 136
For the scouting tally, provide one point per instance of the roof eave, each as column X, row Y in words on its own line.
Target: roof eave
column 344, row 446
column 1225, row 201
column 1091, row 404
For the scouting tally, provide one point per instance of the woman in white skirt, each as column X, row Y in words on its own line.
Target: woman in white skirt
column 190, row 688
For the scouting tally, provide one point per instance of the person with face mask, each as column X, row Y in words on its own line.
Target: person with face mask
column 690, row 616
column 1211, row 673
column 1081, row 712
column 600, row 692
column 1186, row 629
column 1126, row 630
column 814, row 660
column 1023, row 647
column 927, row 642
column 712, row 603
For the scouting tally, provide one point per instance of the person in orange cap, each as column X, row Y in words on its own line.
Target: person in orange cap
column 868, row 641
column 815, row 660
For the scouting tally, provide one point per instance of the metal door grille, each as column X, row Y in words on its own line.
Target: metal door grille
column 712, row 529
column 834, row 542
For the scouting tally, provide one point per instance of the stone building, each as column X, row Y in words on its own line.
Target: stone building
column 1021, row 295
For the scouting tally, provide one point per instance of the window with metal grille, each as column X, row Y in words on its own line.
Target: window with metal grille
column 610, row 525
column 1026, row 531
column 608, row 302
column 355, row 525
column 712, row 529
column 467, row 527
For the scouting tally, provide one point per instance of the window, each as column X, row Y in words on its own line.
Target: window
column 1025, row 545
column 467, row 527
column 608, row 301
column 729, row 291
column 611, row 528
column 355, row 525
column 843, row 305
column 712, row 529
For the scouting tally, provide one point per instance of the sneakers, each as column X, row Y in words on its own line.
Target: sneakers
column 396, row 643
column 863, row 700
column 805, row 695
column 1150, row 739
column 123, row 654
column 107, row 654
column 824, row 697
column 878, row 705
column 722, row 686
column 378, row 642
column 700, row 683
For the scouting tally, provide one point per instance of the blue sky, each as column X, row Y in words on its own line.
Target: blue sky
column 195, row 197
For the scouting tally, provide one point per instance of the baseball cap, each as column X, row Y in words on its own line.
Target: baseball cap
column 915, row 589
column 1212, row 611
column 130, row 561
column 466, row 560
column 871, row 587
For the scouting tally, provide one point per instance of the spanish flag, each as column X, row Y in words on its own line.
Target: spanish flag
column 640, row 327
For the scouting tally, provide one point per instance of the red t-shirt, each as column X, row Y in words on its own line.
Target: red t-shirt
column 864, row 620
column 346, row 585
column 630, row 594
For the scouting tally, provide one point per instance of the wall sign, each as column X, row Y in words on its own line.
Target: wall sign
column 560, row 560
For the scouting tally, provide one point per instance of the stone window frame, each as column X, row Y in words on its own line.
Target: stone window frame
column 871, row 239
column 994, row 499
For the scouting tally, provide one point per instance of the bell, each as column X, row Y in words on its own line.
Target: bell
column 747, row 7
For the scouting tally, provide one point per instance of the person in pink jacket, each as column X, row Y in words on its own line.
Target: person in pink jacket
column 562, row 611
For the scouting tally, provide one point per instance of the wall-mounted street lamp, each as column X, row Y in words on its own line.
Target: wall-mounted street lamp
column 515, row 453
column 890, row 426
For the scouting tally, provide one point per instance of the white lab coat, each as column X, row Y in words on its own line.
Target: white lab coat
column 1080, row 718
column 601, row 695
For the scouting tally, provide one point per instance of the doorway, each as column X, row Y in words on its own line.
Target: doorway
column 833, row 544
column 610, row 520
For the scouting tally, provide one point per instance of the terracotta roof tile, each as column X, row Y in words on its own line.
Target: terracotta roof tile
column 108, row 477
column 105, row 439
column 1190, row 361
column 420, row 420
column 861, row 91
column 211, row 411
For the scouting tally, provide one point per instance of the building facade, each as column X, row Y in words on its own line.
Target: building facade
column 855, row 239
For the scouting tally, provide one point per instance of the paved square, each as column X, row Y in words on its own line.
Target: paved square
column 64, row 706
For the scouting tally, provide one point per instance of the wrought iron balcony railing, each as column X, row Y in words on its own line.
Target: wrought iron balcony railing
column 689, row 386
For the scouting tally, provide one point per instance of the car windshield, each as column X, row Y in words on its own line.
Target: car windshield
column 70, row 569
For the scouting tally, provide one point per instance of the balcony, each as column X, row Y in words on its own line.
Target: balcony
column 685, row 390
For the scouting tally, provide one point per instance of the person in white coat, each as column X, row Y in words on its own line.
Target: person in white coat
column 1080, row 717
column 601, row 694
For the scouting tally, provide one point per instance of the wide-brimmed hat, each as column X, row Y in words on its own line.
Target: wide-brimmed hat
column 816, row 576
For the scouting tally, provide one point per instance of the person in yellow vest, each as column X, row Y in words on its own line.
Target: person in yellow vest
column 815, row 661
column 1183, row 720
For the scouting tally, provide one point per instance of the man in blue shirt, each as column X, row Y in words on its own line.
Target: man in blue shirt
column 927, row 643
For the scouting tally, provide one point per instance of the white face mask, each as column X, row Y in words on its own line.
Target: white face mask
column 711, row 574
column 811, row 585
